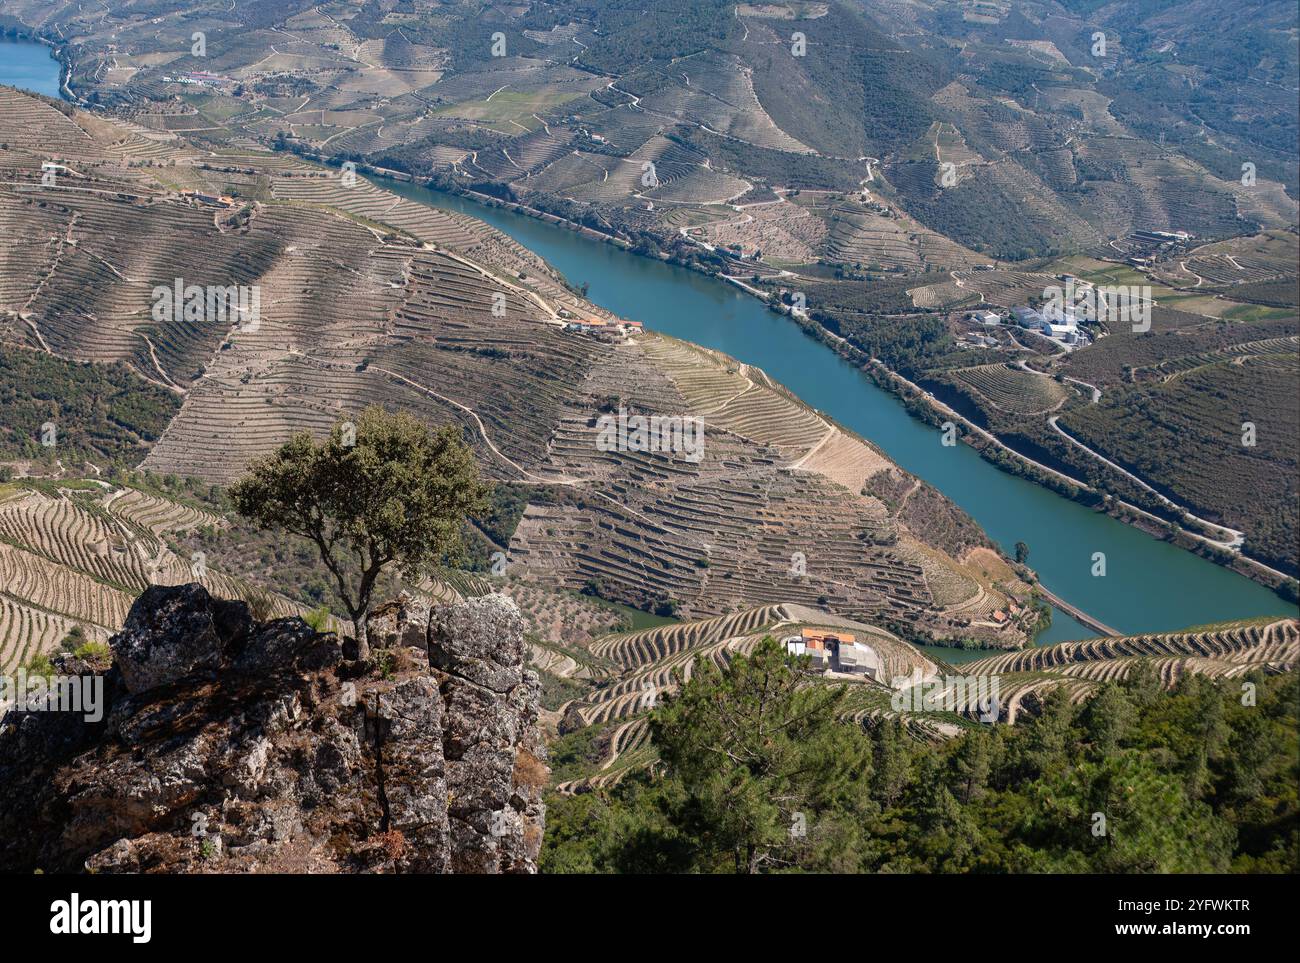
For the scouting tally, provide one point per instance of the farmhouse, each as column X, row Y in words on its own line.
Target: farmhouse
column 211, row 200
column 600, row 326
column 815, row 650
column 587, row 326
column 838, row 651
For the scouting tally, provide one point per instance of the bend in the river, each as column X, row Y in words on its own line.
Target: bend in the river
column 1149, row 586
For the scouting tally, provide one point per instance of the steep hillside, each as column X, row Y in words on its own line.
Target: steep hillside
column 829, row 151
column 355, row 296
column 74, row 553
column 604, row 735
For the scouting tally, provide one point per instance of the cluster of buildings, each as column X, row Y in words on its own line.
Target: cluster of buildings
column 599, row 326
column 1011, row 613
column 1146, row 247
column 197, row 78
column 834, row 652
column 1058, row 323
column 1176, row 237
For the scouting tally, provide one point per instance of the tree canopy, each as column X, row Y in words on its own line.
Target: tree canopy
column 385, row 489
column 1136, row 780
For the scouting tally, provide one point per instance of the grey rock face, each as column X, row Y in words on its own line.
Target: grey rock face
column 490, row 736
column 235, row 746
column 403, row 621
column 172, row 631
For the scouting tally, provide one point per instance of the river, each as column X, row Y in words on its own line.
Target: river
column 30, row 66
column 1149, row 586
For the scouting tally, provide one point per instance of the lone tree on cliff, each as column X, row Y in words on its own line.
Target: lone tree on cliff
column 385, row 489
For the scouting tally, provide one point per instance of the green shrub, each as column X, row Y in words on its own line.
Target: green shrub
column 318, row 618
column 94, row 652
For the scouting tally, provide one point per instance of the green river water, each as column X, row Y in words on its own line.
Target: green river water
column 1149, row 585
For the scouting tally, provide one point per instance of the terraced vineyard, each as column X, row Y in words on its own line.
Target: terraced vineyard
column 672, row 529
column 898, row 166
column 1227, row 651
column 1012, row 389
column 79, row 555
column 369, row 298
column 718, row 145
column 882, row 238
column 653, row 662
column 1186, row 432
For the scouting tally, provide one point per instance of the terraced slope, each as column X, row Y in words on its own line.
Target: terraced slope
column 937, row 702
column 1238, row 643
column 812, row 146
column 1230, row 650
column 79, row 555
column 654, row 662
column 773, row 508
column 369, row 298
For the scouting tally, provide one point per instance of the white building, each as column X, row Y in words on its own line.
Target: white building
column 837, row 651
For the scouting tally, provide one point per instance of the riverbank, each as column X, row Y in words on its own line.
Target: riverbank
column 1152, row 586
column 1166, row 522
column 25, row 70
column 929, row 409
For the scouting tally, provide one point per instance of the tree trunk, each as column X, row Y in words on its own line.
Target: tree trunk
column 360, row 620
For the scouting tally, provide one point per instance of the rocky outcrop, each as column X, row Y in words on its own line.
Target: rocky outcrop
column 229, row 745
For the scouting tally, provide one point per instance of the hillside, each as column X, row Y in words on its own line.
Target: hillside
column 343, row 533
column 605, row 734
column 893, row 166
column 367, row 297
column 74, row 553
column 756, row 771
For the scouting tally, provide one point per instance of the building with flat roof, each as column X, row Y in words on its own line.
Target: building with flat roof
column 856, row 658
column 837, row 651
column 1027, row 317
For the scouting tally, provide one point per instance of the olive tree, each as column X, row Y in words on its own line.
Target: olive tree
column 384, row 490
